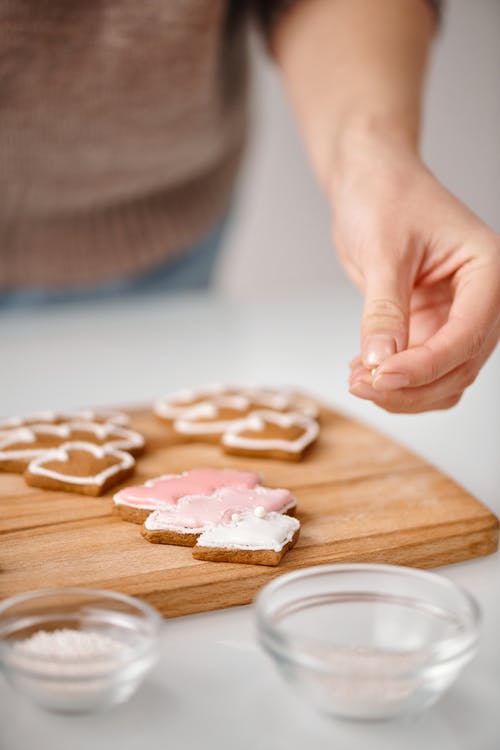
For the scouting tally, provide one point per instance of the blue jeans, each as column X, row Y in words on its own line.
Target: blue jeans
column 192, row 270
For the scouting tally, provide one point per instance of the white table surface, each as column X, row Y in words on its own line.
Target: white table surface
column 213, row 687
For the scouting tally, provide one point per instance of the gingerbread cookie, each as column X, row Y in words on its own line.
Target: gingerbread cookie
column 207, row 421
column 181, row 524
column 255, row 538
column 271, row 435
column 79, row 467
column 173, row 406
column 282, row 399
column 18, row 447
column 136, row 503
column 100, row 416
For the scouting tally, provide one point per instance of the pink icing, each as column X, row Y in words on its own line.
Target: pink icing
column 167, row 490
column 200, row 511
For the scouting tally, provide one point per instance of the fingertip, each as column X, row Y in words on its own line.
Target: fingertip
column 377, row 348
column 355, row 361
column 390, row 381
column 362, row 389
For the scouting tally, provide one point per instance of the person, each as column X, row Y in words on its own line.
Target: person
column 121, row 131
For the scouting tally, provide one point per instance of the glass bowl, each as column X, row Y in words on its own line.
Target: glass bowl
column 77, row 650
column 367, row 641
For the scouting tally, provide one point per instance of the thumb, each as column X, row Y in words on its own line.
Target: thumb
column 384, row 330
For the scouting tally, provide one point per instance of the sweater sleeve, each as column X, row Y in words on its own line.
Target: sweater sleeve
column 269, row 12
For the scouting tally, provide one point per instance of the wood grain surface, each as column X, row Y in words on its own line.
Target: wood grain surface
column 361, row 498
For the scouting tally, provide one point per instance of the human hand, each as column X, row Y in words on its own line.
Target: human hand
column 430, row 273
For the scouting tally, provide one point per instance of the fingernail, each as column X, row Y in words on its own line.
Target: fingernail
column 378, row 348
column 390, row 381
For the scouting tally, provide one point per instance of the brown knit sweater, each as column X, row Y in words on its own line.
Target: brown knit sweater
column 121, row 128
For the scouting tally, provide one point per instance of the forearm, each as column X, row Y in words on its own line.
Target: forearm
column 353, row 68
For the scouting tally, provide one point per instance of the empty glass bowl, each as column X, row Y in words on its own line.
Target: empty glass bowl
column 77, row 650
column 367, row 641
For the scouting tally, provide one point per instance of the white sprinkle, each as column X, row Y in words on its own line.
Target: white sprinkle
column 260, row 511
column 69, row 645
column 235, row 517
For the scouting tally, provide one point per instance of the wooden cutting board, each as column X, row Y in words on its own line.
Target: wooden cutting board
column 361, row 497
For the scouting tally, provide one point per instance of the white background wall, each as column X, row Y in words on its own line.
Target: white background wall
column 280, row 235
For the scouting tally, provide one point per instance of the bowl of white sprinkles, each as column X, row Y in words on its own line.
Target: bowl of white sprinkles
column 367, row 641
column 77, row 650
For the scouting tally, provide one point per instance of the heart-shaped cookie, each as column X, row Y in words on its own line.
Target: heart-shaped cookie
column 208, row 420
column 174, row 405
column 18, row 447
column 269, row 434
column 79, row 467
column 100, row 416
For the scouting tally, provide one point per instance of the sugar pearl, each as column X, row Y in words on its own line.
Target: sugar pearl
column 260, row 511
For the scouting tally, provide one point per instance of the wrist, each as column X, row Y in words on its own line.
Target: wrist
column 368, row 144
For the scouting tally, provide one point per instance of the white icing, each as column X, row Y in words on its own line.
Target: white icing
column 175, row 404
column 14, row 422
column 235, row 517
column 188, row 423
column 283, row 399
column 250, row 532
column 28, row 435
column 115, row 437
column 36, row 466
column 91, row 415
column 256, row 422
column 51, row 416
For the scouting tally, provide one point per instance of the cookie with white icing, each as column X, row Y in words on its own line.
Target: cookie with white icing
column 207, row 421
column 18, row 447
column 182, row 524
column 253, row 537
column 268, row 434
column 99, row 416
column 79, row 467
column 173, row 406
column 134, row 504
column 282, row 400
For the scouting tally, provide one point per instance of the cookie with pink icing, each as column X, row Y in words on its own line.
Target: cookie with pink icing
column 252, row 537
column 136, row 503
column 268, row 434
column 19, row 446
column 181, row 524
column 99, row 416
column 79, row 467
